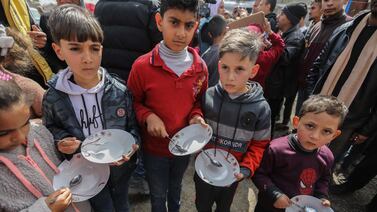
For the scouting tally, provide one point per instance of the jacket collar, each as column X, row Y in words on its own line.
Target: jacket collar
column 290, row 30
column 155, row 59
column 355, row 22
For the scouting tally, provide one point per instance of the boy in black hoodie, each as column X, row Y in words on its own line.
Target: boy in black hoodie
column 238, row 114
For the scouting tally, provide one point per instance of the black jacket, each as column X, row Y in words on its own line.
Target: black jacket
column 130, row 31
column 282, row 80
column 362, row 114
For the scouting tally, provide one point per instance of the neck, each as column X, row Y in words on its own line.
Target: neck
column 87, row 84
column 286, row 28
column 217, row 40
column 372, row 20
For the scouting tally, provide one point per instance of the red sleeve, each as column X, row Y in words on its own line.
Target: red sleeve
column 136, row 85
column 273, row 54
column 254, row 155
column 196, row 110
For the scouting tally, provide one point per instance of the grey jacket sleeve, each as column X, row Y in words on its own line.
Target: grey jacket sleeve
column 38, row 206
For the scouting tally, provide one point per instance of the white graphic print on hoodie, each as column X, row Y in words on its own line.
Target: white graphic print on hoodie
column 86, row 102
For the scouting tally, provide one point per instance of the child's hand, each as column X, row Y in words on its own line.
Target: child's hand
column 267, row 26
column 68, row 145
column 198, row 120
column 127, row 157
column 59, row 200
column 326, row 202
column 239, row 176
column 156, row 126
column 282, row 202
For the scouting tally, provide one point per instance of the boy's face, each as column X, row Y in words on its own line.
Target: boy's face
column 83, row 58
column 283, row 21
column 235, row 72
column 264, row 6
column 331, row 7
column 315, row 130
column 315, row 11
column 177, row 27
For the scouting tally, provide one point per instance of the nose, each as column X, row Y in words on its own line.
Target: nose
column 18, row 136
column 315, row 134
column 181, row 32
column 232, row 76
column 87, row 56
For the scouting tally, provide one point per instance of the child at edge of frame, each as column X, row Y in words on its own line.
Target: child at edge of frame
column 84, row 99
column 301, row 163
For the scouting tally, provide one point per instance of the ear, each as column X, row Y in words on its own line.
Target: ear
column 337, row 133
column 158, row 19
column 58, row 51
column 295, row 121
column 254, row 71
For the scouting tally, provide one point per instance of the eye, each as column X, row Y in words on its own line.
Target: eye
column 239, row 70
column 74, row 49
column 309, row 126
column 174, row 22
column 224, row 68
column 189, row 26
column 3, row 133
column 96, row 48
column 327, row 132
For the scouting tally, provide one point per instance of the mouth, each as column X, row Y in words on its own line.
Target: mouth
column 329, row 10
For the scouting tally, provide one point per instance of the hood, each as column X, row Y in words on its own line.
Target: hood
column 64, row 85
column 254, row 93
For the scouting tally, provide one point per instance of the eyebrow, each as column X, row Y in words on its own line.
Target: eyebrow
column 179, row 21
column 9, row 130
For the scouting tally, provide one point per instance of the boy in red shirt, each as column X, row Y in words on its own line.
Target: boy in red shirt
column 167, row 84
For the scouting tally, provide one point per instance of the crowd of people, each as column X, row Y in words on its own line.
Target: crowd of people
column 152, row 69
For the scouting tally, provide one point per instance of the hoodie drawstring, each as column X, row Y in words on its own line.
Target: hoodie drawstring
column 235, row 129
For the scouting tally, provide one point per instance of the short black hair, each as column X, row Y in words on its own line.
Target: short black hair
column 190, row 5
column 11, row 94
column 73, row 23
column 272, row 4
column 216, row 27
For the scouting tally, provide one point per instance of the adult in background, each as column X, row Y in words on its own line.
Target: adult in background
column 315, row 12
column 16, row 14
column 347, row 69
column 130, row 31
column 268, row 7
column 333, row 16
column 282, row 81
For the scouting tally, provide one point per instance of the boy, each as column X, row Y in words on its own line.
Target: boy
column 84, row 99
column 167, row 84
column 216, row 29
column 246, row 132
column 301, row 163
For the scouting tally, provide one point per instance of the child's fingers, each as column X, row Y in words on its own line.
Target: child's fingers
column 163, row 133
column 326, row 203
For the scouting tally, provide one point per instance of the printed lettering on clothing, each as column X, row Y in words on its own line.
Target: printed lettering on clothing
column 308, row 177
column 87, row 122
column 198, row 84
column 227, row 143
